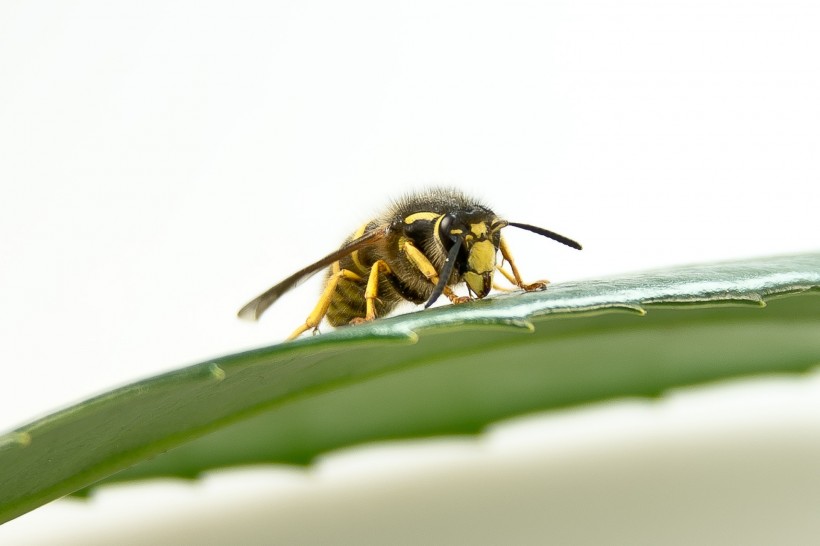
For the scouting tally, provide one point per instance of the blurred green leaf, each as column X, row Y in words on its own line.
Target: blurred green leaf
column 449, row 370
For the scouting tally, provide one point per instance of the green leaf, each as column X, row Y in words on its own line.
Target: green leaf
column 449, row 370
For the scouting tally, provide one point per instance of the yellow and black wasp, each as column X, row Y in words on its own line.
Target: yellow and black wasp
column 422, row 246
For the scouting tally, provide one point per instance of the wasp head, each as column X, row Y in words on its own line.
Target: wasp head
column 471, row 240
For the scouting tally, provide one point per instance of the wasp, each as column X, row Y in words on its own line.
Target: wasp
column 420, row 248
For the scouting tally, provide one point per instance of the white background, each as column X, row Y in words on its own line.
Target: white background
column 163, row 162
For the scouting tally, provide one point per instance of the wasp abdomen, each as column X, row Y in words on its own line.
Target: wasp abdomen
column 348, row 302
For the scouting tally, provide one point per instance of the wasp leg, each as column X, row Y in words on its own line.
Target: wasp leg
column 371, row 293
column 507, row 275
column 423, row 264
column 515, row 278
column 320, row 310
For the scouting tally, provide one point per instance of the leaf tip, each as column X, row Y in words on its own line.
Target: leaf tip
column 522, row 324
column 216, row 372
column 410, row 336
column 640, row 310
column 15, row 439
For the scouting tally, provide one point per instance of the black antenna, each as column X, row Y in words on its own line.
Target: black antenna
column 547, row 233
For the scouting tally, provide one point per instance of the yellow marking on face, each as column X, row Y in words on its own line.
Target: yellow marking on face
column 499, row 224
column 456, row 231
column 479, row 229
column 478, row 284
column 482, row 257
column 421, row 216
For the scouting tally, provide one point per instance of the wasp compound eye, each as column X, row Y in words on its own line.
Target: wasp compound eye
column 445, row 225
column 444, row 231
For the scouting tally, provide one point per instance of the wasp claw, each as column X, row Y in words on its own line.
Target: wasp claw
column 535, row 287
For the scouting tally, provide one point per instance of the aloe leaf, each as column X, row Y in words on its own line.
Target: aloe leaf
column 449, row 370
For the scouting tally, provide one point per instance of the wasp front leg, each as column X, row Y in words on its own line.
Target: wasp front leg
column 515, row 278
column 423, row 264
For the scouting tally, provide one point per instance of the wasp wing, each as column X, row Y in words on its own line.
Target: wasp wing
column 254, row 308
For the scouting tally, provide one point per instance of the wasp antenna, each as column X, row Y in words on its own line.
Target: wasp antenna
column 444, row 276
column 547, row 233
